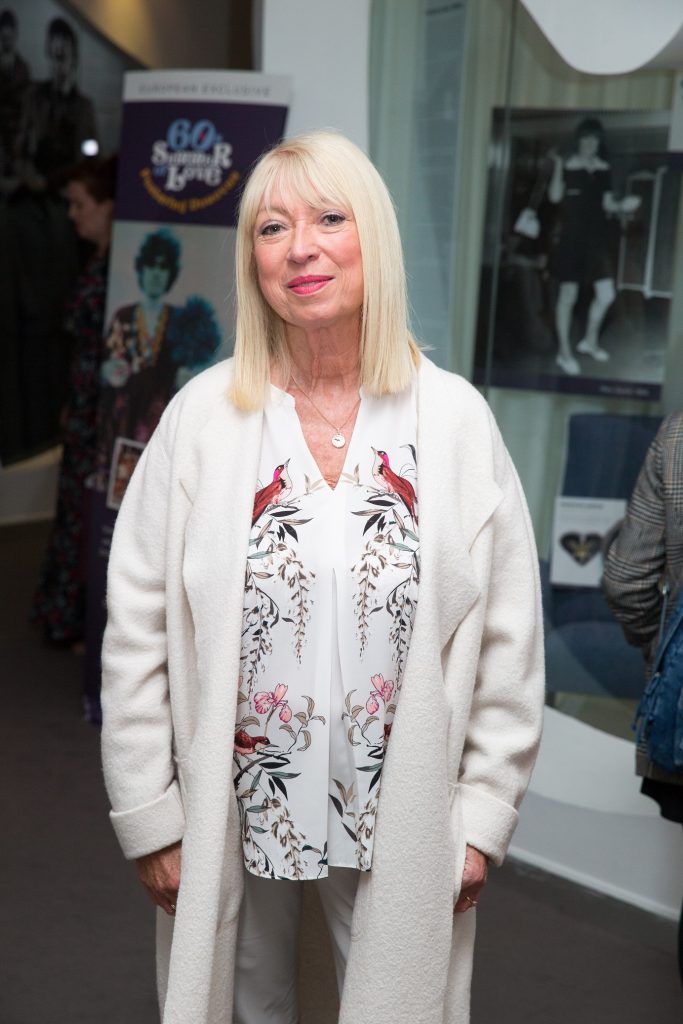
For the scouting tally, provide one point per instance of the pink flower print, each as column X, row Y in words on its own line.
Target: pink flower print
column 285, row 713
column 263, row 702
column 269, row 700
column 382, row 689
column 385, row 689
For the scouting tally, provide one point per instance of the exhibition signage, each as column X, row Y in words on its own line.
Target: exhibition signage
column 581, row 530
column 188, row 141
column 189, row 138
column 578, row 260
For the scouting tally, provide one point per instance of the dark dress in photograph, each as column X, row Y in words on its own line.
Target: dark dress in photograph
column 582, row 251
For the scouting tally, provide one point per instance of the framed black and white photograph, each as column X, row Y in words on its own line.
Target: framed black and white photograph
column 60, row 102
column 582, row 211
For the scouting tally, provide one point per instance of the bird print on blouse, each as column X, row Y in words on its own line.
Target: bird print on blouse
column 246, row 744
column 307, row 770
column 273, row 493
column 393, row 483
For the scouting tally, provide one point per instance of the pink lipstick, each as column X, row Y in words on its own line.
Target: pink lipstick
column 307, row 284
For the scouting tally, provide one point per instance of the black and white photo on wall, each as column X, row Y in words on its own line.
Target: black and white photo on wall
column 582, row 214
column 60, row 102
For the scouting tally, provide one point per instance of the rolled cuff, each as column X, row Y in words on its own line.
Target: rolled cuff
column 152, row 826
column 489, row 823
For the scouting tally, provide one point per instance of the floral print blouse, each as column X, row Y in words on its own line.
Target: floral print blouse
column 330, row 597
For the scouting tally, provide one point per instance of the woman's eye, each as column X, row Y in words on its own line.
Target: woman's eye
column 333, row 220
column 270, row 230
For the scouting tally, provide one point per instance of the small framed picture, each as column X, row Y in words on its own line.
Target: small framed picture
column 124, row 460
column 581, row 529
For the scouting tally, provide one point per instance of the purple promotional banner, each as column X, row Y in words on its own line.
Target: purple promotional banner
column 184, row 162
column 189, row 139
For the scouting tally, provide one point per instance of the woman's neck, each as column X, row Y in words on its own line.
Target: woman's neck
column 325, row 359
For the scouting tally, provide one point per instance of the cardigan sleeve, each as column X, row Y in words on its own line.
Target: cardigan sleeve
column 506, row 715
column 147, row 811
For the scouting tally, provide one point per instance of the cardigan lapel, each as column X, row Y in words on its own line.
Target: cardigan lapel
column 403, row 918
column 216, row 544
column 449, row 519
column 219, row 478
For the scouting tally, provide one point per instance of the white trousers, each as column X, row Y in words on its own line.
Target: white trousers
column 266, row 956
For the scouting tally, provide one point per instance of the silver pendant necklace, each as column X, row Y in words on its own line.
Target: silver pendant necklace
column 338, row 439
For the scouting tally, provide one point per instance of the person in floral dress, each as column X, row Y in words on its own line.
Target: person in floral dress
column 59, row 602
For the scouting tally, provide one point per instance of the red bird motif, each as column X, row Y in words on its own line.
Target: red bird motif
column 392, row 483
column 274, row 492
column 246, row 744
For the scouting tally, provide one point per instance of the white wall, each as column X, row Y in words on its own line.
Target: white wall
column 324, row 47
column 584, row 818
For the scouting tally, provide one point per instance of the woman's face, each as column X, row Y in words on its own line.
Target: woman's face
column 589, row 145
column 308, row 262
column 91, row 219
column 155, row 278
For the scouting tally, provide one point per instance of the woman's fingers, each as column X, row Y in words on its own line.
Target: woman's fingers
column 473, row 880
column 159, row 873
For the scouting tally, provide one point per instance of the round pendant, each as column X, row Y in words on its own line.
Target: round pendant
column 339, row 440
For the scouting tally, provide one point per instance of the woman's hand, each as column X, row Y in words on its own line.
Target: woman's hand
column 629, row 204
column 159, row 872
column 473, row 880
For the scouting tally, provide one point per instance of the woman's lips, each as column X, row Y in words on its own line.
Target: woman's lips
column 307, row 285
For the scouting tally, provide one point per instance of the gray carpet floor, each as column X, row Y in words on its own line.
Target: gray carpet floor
column 76, row 931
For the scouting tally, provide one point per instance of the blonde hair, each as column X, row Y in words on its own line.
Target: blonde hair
column 324, row 168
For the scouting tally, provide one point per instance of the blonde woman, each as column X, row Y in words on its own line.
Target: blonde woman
column 323, row 660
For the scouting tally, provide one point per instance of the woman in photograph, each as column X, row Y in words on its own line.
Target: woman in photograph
column 582, row 185
column 148, row 342
column 324, row 657
column 59, row 603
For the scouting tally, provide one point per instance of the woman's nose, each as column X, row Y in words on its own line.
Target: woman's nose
column 303, row 244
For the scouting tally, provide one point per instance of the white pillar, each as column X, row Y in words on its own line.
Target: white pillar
column 324, row 48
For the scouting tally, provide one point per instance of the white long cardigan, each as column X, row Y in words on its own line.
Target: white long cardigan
column 463, row 741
